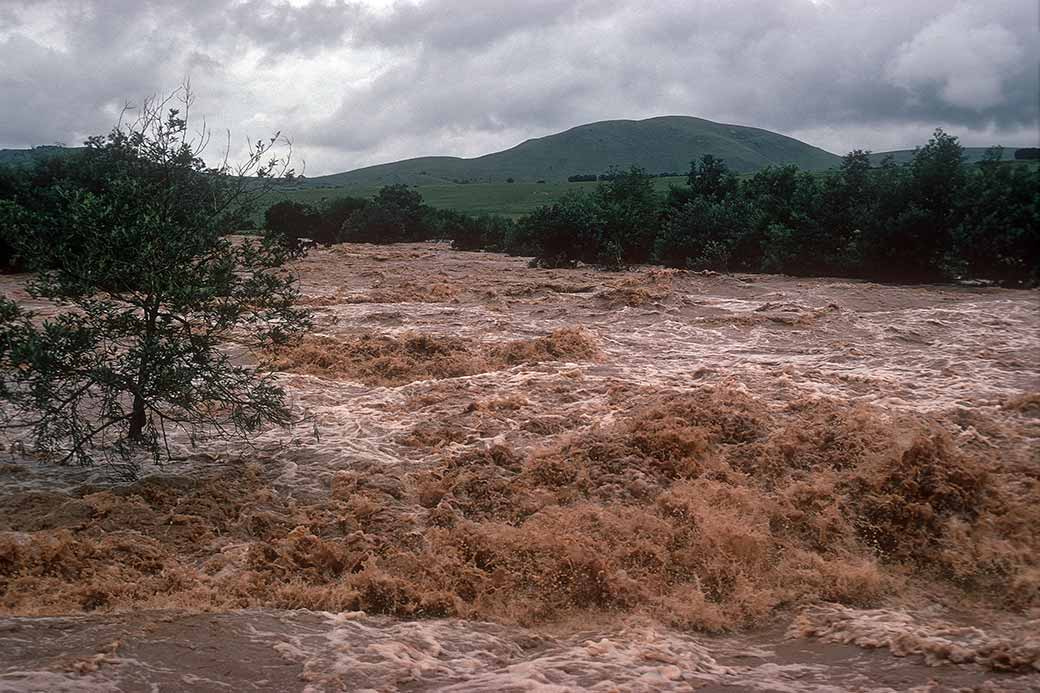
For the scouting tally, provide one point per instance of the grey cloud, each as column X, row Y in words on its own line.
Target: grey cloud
column 460, row 25
column 461, row 77
column 278, row 27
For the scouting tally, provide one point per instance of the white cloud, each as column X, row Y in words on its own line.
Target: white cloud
column 965, row 54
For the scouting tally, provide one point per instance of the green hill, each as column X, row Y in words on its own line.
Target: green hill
column 21, row 157
column 972, row 155
column 664, row 144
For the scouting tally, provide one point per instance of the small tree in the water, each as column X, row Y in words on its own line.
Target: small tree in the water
column 163, row 304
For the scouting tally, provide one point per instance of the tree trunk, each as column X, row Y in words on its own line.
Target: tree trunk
column 137, row 414
column 137, row 419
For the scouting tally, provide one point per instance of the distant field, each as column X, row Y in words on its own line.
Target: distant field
column 508, row 199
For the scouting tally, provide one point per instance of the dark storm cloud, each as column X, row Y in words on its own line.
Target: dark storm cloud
column 363, row 81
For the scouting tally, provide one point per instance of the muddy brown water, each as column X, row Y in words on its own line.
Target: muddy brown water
column 239, row 570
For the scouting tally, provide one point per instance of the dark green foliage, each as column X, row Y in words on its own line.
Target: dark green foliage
column 291, row 222
column 35, row 187
column 710, row 234
column 627, row 209
column 613, row 227
column 787, row 202
column 332, row 215
column 396, row 214
column 155, row 290
column 934, row 218
column 937, row 181
column 712, row 179
column 999, row 233
column 562, row 234
column 899, row 220
column 472, row 233
column 11, row 218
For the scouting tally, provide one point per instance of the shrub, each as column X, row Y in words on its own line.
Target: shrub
column 998, row 236
column 331, row 217
column 474, row 233
column 291, row 221
column 396, row 215
column 628, row 210
column 563, row 234
column 707, row 234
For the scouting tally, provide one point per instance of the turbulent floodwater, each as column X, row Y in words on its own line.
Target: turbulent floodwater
column 516, row 479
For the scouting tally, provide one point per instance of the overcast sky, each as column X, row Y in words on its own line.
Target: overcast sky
column 361, row 82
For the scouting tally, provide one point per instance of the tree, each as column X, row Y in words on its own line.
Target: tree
column 291, row 221
column 999, row 233
column 937, row 175
column 712, row 179
column 937, row 178
column 707, row 234
column 396, row 214
column 332, row 215
column 10, row 216
column 156, row 290
column 562, row 234
column 627, row 206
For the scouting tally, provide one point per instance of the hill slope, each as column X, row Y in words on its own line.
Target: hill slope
column 661, row 144
column 21, row 157
column 972, row 155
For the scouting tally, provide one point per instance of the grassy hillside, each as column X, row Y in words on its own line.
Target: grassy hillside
column 971, row 155
column 21, row 157
column 659, row 145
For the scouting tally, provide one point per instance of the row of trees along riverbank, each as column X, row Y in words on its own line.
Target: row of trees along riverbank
column 934, row 218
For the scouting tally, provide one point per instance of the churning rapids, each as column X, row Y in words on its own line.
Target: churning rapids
column 515, row 479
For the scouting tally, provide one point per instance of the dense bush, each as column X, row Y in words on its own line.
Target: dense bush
column 627, row 211
column 562, row 234
column 40, row 192
column 709, row 234
column 613, row 226
column 998, row 234
column 474, row 233
column 31, row 193
column 291, row 221
column 332, row 215
column 396, row 214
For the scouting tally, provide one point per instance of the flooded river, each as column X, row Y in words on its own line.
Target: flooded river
column 517, row 479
